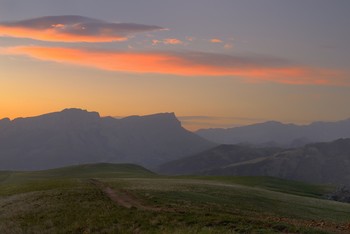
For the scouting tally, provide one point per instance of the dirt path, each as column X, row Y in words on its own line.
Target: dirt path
column 126, row 199
column 121, row 198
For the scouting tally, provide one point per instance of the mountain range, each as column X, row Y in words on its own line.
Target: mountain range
column 326, row 163
column 75, row 136
column 159, row 142
column 274, row 133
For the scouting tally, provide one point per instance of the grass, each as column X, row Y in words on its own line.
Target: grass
column 27, row 181
column 232, row 196
column 275, row 184
column 63, row 201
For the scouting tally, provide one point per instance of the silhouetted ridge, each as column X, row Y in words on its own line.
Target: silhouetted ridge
column 68, row 118
column 279, row 134
column 161, row 119
column 5, row 121
column 66, row 115
column 327, row 163
column 75, row 136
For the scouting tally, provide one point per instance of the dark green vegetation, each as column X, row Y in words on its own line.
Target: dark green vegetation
column 107, row 198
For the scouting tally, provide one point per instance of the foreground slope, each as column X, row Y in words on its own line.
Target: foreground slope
column 75, row 136
column 326, row 163
column 279, row 134
column 130, row 199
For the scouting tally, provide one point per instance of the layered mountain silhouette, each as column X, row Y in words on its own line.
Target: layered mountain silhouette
column 316, row 163
column 75, row 136
column 215, row 158
column 274, row 133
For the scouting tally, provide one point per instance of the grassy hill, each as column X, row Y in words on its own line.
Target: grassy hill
column 112, row 198
column 274, row 184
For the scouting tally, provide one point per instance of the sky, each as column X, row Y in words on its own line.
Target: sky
column 221, row 63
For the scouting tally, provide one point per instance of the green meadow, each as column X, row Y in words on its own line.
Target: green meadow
column 125, row 198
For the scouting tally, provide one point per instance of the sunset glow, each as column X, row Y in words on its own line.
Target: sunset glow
column 239, row 61
column 53, row 35
column 175, row 64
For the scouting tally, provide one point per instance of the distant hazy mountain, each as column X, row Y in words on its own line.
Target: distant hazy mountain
column 317, row 163
column 76, row 136
column 277, row 134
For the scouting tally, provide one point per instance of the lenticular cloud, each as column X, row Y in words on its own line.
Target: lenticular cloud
column 71, row 28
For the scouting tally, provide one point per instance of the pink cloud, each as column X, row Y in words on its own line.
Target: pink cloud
column 216, row 40
column 167, row 41
column 252, row 69
column 156, row 42
column 172, row 41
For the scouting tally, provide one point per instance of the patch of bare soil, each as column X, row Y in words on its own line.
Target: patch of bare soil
column 121, row 197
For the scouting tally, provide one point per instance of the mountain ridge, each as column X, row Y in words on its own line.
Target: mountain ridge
column 326, row 162
column 279, row 134
column 75, row 136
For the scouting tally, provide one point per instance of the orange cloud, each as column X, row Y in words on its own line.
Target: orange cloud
column 185, row 64
column 172, row 41
column 156, row 42
column 167, row 41
column 72, row 29
column 53, row 35
column 216, row 40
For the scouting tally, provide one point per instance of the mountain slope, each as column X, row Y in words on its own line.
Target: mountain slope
column 76, row 136
column 316, row 163
column 217, row 157
column 276, row 133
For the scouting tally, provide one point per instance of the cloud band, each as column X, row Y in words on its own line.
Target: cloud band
column 72, row 28
column 186, row 63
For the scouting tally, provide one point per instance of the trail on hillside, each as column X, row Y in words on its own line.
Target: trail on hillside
column 121, row 197
column 128, row 200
